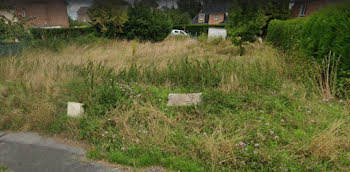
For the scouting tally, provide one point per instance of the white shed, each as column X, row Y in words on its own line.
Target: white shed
column 215, row 32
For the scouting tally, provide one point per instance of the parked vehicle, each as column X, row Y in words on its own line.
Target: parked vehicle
column 178, row 32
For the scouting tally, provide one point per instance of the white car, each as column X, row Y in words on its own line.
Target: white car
column 178, row 32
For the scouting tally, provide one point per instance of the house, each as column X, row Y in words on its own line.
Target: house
column 83, row 14
column 41, row 13
column 304, row 8
column 213, row 13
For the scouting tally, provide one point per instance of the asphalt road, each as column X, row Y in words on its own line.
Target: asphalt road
column 28, row 152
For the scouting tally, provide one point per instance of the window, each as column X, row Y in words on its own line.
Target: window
column 216, row 17
column 201, row 17
column 303, row 9
column 23, row 13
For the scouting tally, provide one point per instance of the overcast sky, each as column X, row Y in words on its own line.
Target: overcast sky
column 74, row 5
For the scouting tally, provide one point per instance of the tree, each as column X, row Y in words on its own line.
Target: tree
column 147, row 24
column 11, row 29
column 246, row 20
column 177, row 17
column 192, row 7
column 109, row 17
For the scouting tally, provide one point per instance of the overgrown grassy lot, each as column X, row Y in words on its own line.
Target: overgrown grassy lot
column 263, row 111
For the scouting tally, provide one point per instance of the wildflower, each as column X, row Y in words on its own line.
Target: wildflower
column 218, row 131
column 241, row 144
column 255, row 152
column 103, row 135
column 144, row 132
column 309, row 112
column 256, row 144
column 282, row 120
column 205, row 134
column 242, row 162
column 271, row 132
column 123, row 148
column 341, row 101
column 114, row 136
column 137, row 141
column 276, row 138
column 261, row 111
column 106, row 132
column 325, row 100
column 267, row 124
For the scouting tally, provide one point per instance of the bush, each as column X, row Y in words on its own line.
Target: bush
column 285, row 34
column 147, row 25
column 324, row 31
column 197, row 29
column 61, row 33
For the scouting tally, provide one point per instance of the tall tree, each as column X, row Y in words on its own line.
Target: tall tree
column 192, row 7
column 109, row 17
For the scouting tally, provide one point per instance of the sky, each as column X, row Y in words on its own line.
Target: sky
column 74, row 5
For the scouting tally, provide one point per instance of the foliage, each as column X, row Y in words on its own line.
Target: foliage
column 315, row 36
column 147, row 24
column 12, row 30
column 192, row 7
column 61, row 33
column 179, row 18
column 246, row 21
column 109, row 17
column 286, row 34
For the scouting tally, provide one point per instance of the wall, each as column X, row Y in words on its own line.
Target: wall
column 221, row 18
column 44, row 13
column 57, row 13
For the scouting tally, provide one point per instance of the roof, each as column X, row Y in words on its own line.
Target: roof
column 215, row 7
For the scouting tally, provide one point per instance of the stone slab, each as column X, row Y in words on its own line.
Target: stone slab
column 75, row 109
column 184, row 99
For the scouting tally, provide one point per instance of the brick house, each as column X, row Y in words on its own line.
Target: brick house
column 83, row 14
column 304, row 8
column 212, row 13
column 42, row 13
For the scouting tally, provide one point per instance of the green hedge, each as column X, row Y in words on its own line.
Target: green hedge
column 197, row 29
column 316, row 35
column 61, row 33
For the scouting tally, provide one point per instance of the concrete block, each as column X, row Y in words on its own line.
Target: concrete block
column 184, row 99
column 75, row 109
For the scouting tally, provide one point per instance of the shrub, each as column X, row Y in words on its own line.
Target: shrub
column 328, row 30
column 147, row 24
column 109, row 17
column 324, row 31
column 285, row 34
column 61, row 33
